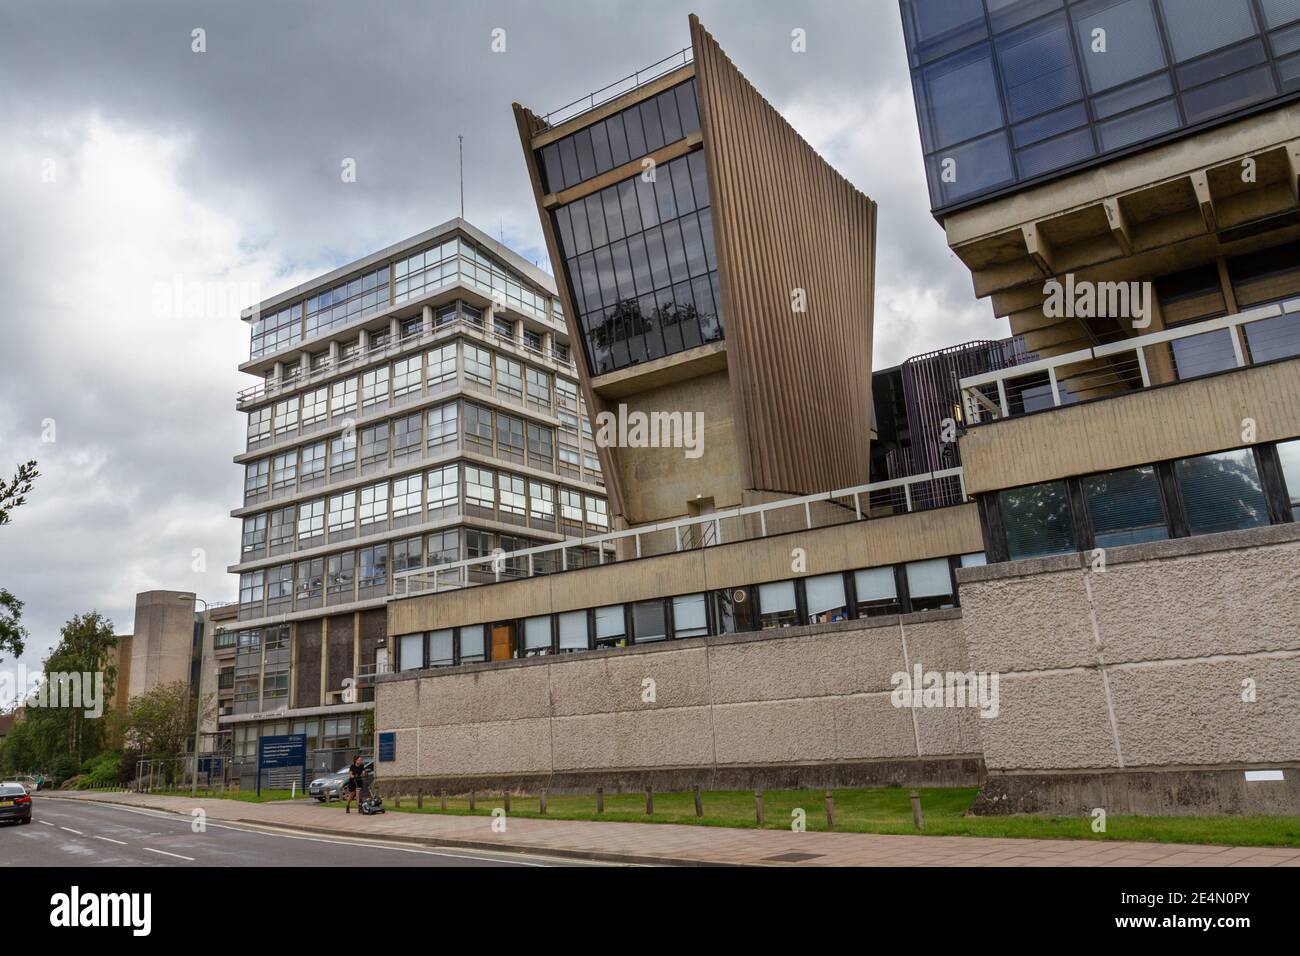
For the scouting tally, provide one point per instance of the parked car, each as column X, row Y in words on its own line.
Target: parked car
column 331, row 786
column 15, row 803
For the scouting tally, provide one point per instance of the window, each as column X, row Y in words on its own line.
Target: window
column 444, row 427
column 443, row 496
column 478, row 427
column 309, row 580
column 343, row 397
column 343, row 515
column 541, row 504
column 374, row 567
column 611, row 628
column 649, row 621
column 929, row 585
column 777, row 605
column 572, row 626
column 1288, row 453
column 539, row 390
column 510, row 438
column 876, row 590
column 343, row 454
column 284, row 471
column 1221, row 492
column 504, row 328
column 472, row 644
column 480, row 488
column 257, row 477
column 286, row 416
column 533, row 340
column 537, row 635
column 510, row 489
column 410, row 652
column 250, row 588
column 826, row 600
column 976, row 559
column 597, row 516
column 340, row 573
column 478, row 366
column 407, row 555
column 690, row 616
column 406, row 498
column 571, row 507
column 510, row 380
column 374, row 446
column 374, row 505
column 540, row 442
column 1125, row 507
column 313, row 464
column 408, row 437
column 442, row 648
column 374, row 387
column 314, row 406
column 441, row 365
column 1037, row 519
column 254, row 533
column 259, row 425
column 406, row 376
column 444, row 547
column 733, row 610
column 276, row 331
column 279, row 582
column 282, row 525
column 311, row 519
column 348, row 301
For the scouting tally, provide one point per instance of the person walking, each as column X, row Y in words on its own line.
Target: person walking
column 356, row 780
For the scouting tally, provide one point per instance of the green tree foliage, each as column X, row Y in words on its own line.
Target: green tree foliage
column 160, row 722
column 13, row 635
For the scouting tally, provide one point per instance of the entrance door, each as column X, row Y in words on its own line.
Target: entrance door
column 503, row 642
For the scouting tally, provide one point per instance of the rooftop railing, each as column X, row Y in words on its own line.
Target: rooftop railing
column 327, row 368
column 1212, row 345
column 616, row 89
column 880, row 499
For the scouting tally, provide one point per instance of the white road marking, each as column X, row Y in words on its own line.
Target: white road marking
column 110, row 840
column 46, row 822
column 70, row 830
column 165, row 853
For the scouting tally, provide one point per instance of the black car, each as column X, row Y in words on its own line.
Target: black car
column 15, row 803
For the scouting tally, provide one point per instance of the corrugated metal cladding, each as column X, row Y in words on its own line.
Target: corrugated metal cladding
column 785, row 220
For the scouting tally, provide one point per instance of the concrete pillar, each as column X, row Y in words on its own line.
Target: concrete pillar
column 427, row 326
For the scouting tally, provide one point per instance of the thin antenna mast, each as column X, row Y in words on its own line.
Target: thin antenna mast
column 461, row 140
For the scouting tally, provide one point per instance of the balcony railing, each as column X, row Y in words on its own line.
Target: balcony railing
column 1122, row 366
column 880, row 499
column 272, row 388
column 632, row 81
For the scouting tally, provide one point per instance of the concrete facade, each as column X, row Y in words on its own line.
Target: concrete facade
column 162, row 647
column 806, row 706
column 1176, row 668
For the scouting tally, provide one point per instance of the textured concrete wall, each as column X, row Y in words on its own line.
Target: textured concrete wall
column 1149, row 664
column 162, row 646
column 816, row 695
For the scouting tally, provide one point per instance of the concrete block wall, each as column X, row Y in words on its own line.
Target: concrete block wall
column 803, row 706
column 1143, row 669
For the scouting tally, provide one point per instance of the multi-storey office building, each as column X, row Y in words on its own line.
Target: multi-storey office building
column 418, row 406
column 1121, row 178
column 709, row 261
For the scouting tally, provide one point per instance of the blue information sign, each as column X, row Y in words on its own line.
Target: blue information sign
column 273, row 753
column 387, row 747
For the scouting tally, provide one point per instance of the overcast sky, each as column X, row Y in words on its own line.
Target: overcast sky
column 136, row 171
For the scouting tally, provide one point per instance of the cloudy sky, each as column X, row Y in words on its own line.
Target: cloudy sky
column 150, row 191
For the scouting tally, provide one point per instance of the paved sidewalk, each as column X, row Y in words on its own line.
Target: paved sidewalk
column 660, row 843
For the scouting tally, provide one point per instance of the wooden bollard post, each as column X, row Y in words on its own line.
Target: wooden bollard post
column 397, row 800
column 419, row 799
column 442, row 801
column 541, row 802
column 471, row 800
column 649, row 800
column 600, row 799
column 830, row 809
column 917, row 816
column 699, row 802
column 505, row 800
column 758, row 806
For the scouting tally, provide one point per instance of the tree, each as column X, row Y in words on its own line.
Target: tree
column 160, row 722
column 13, row 635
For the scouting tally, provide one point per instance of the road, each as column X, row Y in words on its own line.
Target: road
column 84, row 833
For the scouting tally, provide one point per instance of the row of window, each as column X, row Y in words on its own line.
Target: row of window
column 459, row 261
column 408, row 379
column 364, row 573
column 1010, row 89
column 842, row 596
column 1224, row 491
column 627, row 135
column 452, row 490
column 328, row 733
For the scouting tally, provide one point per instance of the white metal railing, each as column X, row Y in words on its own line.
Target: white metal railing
column 901, row 495
column 986, row 396
column 632, row 81
column 272, row 387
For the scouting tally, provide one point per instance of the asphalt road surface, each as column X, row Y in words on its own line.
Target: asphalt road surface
column 82, row 833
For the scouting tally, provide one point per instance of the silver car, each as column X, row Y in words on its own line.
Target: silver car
column 331, row 786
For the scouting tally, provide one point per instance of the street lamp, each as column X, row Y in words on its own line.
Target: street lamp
column 198, row 702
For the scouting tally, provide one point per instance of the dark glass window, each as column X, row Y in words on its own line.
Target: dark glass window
column 1289, row 454
column 1126, row 507
column 1037, row 519
column 1221, row 492
column 733, row 610
column 649, row 621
